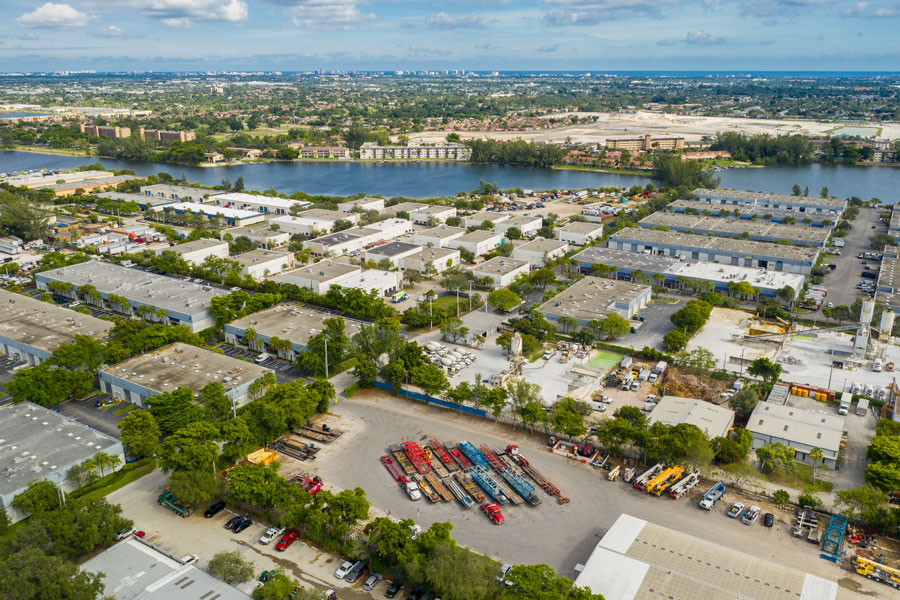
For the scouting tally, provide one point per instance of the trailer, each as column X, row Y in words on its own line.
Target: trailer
column 427, row 490
column 468, row 484
column 417, row 457
column 713, row 495
column 438, row 469
column 513, row 452
column 300, row 452
column 438, row 486
column 487, row 483
column 393, row 468
column 648, row 475
column 613, row 473
column 309, row 432
column 169, row 500
column 492, row 458
column 402, row 460
column 685, row 485
column 459, row 493
column 474, row 454
column 464, row 463
column 441, row 452
column 310, row 484
column 522, row 487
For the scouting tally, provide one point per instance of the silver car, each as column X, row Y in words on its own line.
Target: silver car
column 371, row 582
column 343, row 569
column 270, row 534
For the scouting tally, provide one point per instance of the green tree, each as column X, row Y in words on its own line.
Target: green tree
column 30, row 574
column 766, row 369
column 212, row 396
column 230, row 567
column 278, row 587
column 781, row 497
column 699, row 359
column 40, row 495
column 540, row 582
column 192, row 447
column 453, row 329
column 816, row 455
column 503, row 299
column 613, row 326
column 459, row 574
column 884, row 476
column 675, row 340
column 430, row 378
column 861, row 504
column 259, row 485
column 744, row 401
column 140, row 433
column 568, row 417
column 195, row 486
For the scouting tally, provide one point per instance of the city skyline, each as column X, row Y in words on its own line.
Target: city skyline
column 552, row 35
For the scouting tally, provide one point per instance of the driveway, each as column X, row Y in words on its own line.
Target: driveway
column 841, row 282
column 656, row 326
column 285, row 371
column 85, row 412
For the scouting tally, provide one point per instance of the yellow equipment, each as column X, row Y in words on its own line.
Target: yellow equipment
column 659, row 483
column 876, row 571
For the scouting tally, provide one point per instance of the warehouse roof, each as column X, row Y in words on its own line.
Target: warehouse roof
column 443, row 232
column 322, row 213
column 211, row 210
column 593, row 298
column 479, row 235
column 135, row 570
column 241, row 198
column 723, row 245
column 139, row 287
column 639, row 560
column 712, row 419
column 499, row 266
column 482, row 217
column 36, row 442
column 182, row 365
column 744, row 211
column 295, row 322
column 541, row 245
column 730, row 227
column 44, row 325
column 259, row 255
column 433, row 209
column 322, row 271
column 195, row 245
column 260, row 230
column 407, row 207
column 613, row 257
column 520, row 221
column 393, row 248
column 583, row 227
column 812, row 428
column 744, row 195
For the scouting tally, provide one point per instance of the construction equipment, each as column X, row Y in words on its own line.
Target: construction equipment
column 876, row 571
column 648, row 475
column 288, row 447
column 487, row 483
column 441, row 452
column 417, row 457
column 629, row 474
column 658, row 484
column 427, row 489
column 513, row 452
column 393, row 468
column 468, row 484
column 474, row 455
column 438, row 487
column 682, row 487
column 834, row 538
column 464, row 498
column 464, row 463
column 713, row 495
column 171, row 501
column 310, row 484
column 614, row 473
column 402, row 460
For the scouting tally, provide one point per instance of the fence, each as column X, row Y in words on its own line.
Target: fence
column 420, row 396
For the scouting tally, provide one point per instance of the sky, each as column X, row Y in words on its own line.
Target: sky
column 592, row 35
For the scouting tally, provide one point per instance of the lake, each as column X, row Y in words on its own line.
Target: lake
column 430, row 179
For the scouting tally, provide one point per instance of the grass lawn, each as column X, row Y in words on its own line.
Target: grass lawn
column 120, row 479
column 45, row 150
column 603, row 170
column 124, row 409
column 801, row 478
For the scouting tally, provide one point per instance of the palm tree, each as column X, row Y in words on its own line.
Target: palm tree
column 816, row 455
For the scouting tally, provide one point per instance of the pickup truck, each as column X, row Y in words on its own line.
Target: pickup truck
column 736, row 509
column 750, row 515
column 412, row 490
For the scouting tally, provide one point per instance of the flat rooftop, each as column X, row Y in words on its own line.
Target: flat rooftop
column 889, row 276
column 403, row 207
column 182, row 365
column 433, row 209
column 712, row 419
column 241, row 198
column 335, row 239
column 36, row 442
column 394, row 248
column 443, row 232
column 180, row 190
column 435, row 254
column 722, row 245
column 295, row 322
column 639, row 560
column 45, row 325
column 140, row 287
column 260, row 255
column 135, row 570
column 729, row 227
column 114, row 180
column 50, row 177
column 322, row 271
column 656, row 263
column 895, row 219
column 260, row 230
column 582, row 227
column 322, row 213
column 521, row 220
column 745, row 195
column 542, row 246
column 593, row 298
column 813, row 428
column 479, row 235
column 212, row 210
column 744, row 210
column 500, row 266
column 482, row 217
column 201, row 244
column 125, row 197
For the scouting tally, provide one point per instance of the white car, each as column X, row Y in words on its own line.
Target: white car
column 736, row 509
column 343, row 569
column 270, row 534
column 190, row 559
column 605, row 399
column 121, row 535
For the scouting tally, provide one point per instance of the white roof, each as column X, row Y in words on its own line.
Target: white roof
column 208, row 209
column 260, row 200
column 811, row 428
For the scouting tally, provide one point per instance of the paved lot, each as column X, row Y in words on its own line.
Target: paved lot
column 656, row 326
column 85, row 412
column 285, row 372
column 7, row 369
column 841, row 282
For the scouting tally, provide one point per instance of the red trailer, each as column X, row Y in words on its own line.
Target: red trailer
column 417, row 457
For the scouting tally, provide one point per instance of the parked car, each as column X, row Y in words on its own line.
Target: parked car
column 736, row 509
column 343, row 569
column 244, row 524
column 372, row 581
column 393, row 588
column 270, row 534
column 286, row 540
column 416, row 594
column 233, row 522
column 121, row 535
column 190, row 559
column 355, row 572
column 769, row 520
column 635, row 385
column 214, row 509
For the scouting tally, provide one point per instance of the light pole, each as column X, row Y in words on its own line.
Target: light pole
column 470, row 295
column 326, row 358
column 457, row 302
column 430, row 313
column 831, row 369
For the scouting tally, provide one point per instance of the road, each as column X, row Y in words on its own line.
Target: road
column 841, row 283
column 656, row 326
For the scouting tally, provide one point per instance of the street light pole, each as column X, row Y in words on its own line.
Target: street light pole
column 470, row 295
column 326, row 358
column 430, row 313
column 457, row 302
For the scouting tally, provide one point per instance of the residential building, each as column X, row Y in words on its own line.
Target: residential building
column 439, row 236
column 41, row 444
column 262, row 263
column 112, row 132
column 592, row 298
column 528, row 226
column 30, row 330
column 440, row 259
column 540, row 251
column 675, row 271
column 183, row 302
column 262, row 204
column 329, row 152
column 260, row 234
column 214, row 157
column 715, row 421
column 176, row 366
column 178, row 193
column 320, row 276
column 229, row 216
column 393, row 252
column 479, row 219
column 645, row 143
column 432, row 213
column 503, row 271
column 445, row 150
column 196, row 252
column 800, row 429
column 747, row 253
column 579, row 233
column 639, row 560
column 800, row 235
column 135, row 569
column 247, row 153
column 296, row 323
column 797, row 204
column 478, row 242
column 361, row 204
column 162, row 135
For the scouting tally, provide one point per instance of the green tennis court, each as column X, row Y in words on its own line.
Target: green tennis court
column 604, row 360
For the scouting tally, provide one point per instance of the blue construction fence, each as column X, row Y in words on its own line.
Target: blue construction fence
column 419, row 396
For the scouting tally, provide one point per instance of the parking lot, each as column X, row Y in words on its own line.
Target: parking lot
column 85, row 411
column 841, row 281
column 656, row 326
column 285, row 372
column 7, row 368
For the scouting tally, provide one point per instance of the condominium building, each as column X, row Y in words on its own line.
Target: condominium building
column 448, row 150
column 114, row 133
column 645, row 143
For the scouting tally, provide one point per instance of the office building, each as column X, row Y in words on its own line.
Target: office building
column 479, row 219
column 262, row 204
column 798, row 428
column 320, row 276
column 579, row 233
column 528, row 226
column 503, row 271
column 431, row 214
column 438, row 237
column 478, row 242
column 751, row 213
column 540, row 251
column 393, row 252
column 260, row 234
column 383, row 283
column 592, row 298
column 162, row 135
column 439, row 259
column 262, row 263
column 196, row 252
column 645, row 143
column 112, row 132
column 403, row 207
column 361, row 204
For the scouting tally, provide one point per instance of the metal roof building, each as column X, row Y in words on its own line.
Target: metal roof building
column 639, row 560
column 713, row 420
column 135, row 570
column 801, row 429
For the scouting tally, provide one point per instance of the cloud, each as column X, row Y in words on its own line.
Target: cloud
column 693, row 38
column 780, row 8
column 110, row 32
column 548, row 49
column 54, row 16
column 182, row 13
column 867, row 10
column 444, row 20
column 341, row 14
column 590, row 12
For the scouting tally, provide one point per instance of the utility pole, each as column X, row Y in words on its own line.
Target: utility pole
column 430, row 313
column 470, row 295
column 457, row 302
column 326, row 358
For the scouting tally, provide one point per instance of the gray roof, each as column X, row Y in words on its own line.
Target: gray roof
column 746, row 195
column 36, row 442
column 712, row 419
column 248, row 259
column 583, row 227
column 407, row 207
column 322, row 271
column 295, row 322
column 45, row 325
column 443, row 232
column 135, row 570
column 479, row 235
column 810, row 428
column 393, row 248
column 541, row 245
column 593, row 298
column 195, row 245
column 499, row 265
column 730, row 227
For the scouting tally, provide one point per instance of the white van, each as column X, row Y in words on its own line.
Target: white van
column 262, row 358
column 876, row 365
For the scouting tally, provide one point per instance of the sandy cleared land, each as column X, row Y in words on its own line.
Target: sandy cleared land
column 643, row 122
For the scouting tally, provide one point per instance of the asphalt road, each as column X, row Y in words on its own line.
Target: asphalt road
column 85, row 412
column 841, row 283
column 656, row 326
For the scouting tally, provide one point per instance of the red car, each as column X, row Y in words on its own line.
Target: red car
column 287, row 539
column 493, row 512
